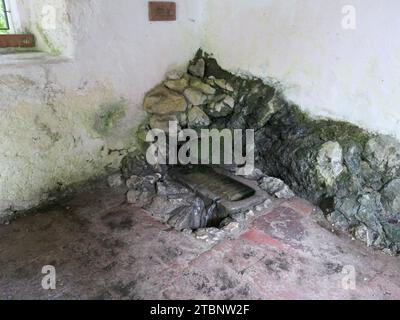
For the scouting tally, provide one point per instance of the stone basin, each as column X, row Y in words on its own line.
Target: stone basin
column 231, row 194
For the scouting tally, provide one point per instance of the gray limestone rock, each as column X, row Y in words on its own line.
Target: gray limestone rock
column 276, row 187
column 162, row 205
column 223, row 84
column 171, row 188
column 193, row 216
column 163, row 101
column 197, row 69
column 383, row 154
column 197, row 118
column 163, row 122
column 115, row 180
column 221, row 106
column 202, row 86
column 139, row 198
column 330, row 163
column 178, row 85
column 195, row 97
column 391, row 198
column 135, row 164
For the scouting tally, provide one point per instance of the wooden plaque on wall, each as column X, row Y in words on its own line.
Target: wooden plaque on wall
column 17, row 41
column 162, row 11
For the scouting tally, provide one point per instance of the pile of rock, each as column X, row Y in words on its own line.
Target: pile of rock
column 190, row 99
column 353, row 175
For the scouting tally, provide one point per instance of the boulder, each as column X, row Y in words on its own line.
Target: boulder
column 178, row 85
column 276, row 187
column 193, row 216
column 139, row 198
column 391, row 198
column 115, row 180
column 222, row 106
column 255, row 105
column 141, row 183
column 197, row 68
column 346, row 208
column 254, row 174
column 161, row 206
column 135, row 164
column 266, row 111
column 175, row 75
column 171, row 188
column 201, row 86
column 339, row 221
column 383, row 154
column 164, row 101
column 369, row 213
column 197, row 118
column 195, row 97
column 330, row 163
column 285, row 193
column 162, row 122
column 223, row 84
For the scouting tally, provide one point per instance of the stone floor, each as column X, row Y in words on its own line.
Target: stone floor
column 103, row 248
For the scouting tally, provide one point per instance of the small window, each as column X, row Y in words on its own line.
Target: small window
column 4, row 18
column 9, row 18
column 10, row 34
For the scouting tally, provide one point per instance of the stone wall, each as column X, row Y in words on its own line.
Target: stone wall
column 353, row 175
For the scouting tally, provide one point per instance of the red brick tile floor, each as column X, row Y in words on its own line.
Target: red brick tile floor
column 103, row 248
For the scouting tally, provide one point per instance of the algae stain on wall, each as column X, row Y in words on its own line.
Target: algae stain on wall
column 109, row 117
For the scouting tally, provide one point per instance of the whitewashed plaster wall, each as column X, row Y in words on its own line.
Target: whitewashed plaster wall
column 71, row 117
column 351, row 75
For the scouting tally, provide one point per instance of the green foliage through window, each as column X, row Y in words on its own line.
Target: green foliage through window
column 3, row 17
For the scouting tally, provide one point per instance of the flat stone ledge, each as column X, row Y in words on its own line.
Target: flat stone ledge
column 29, row 58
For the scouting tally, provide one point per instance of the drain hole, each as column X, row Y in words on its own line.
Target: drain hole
column 222, row 195
column 214, row 215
